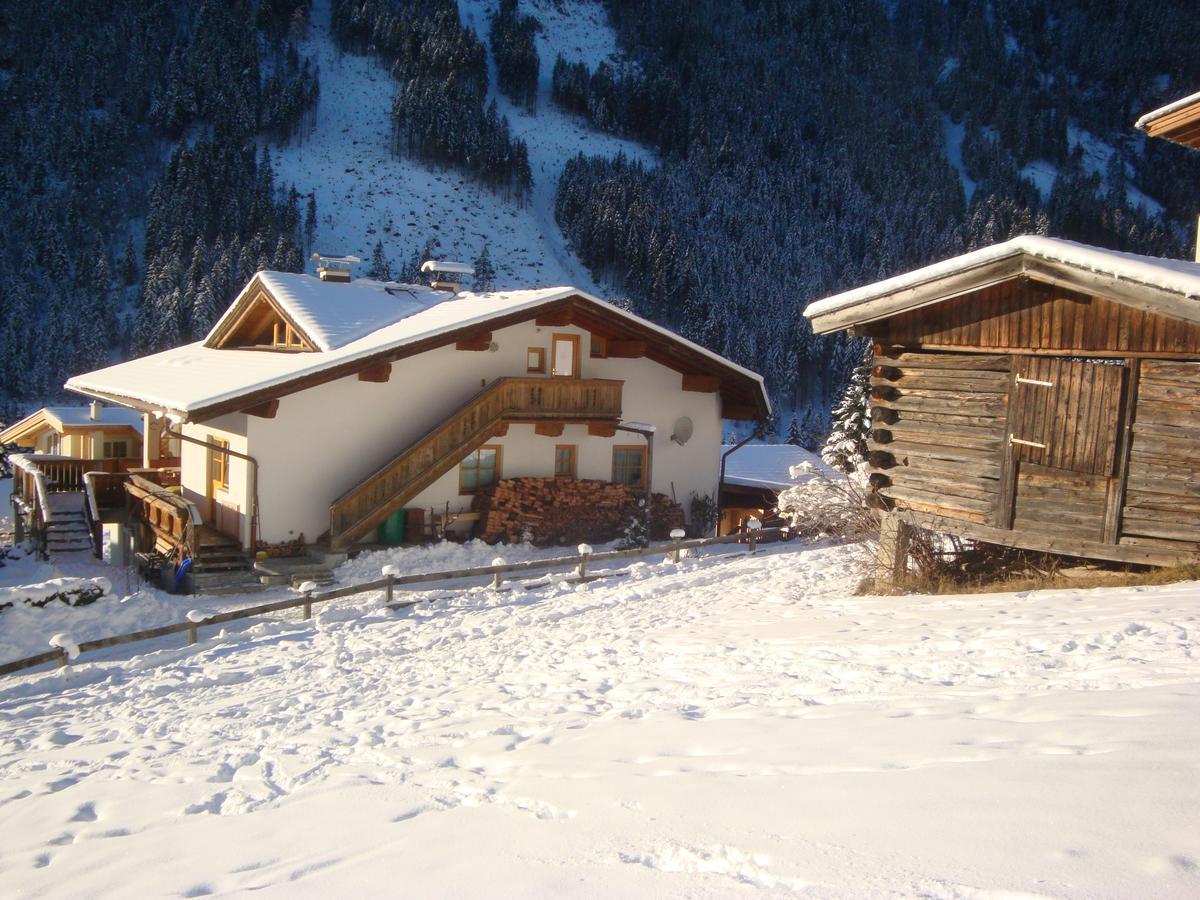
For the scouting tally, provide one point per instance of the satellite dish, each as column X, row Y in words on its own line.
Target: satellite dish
column 683, row 431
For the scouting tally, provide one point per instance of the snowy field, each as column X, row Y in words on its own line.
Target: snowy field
column 728, row 726
column 364, row 194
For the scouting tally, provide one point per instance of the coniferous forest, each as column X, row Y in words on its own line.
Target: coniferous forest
column 801, row 147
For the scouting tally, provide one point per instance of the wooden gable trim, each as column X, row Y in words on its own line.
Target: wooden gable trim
column 251, row 298
column 701, row 384
column 626, row 349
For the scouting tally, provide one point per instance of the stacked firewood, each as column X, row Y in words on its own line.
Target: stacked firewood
column 568, row 511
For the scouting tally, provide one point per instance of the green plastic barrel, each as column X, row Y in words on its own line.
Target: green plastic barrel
column 391, row 529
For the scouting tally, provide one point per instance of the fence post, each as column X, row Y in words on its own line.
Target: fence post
column 497, row 577
column 389, row 572
column 307, row 589
column 585, row 550
column 752, row 528
column 62, row 658
column 191, row 633
column 677, row 535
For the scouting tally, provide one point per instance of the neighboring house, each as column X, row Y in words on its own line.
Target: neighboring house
column 85, row 432
column 1038, row 393
column 755, row 476
column 327, row 407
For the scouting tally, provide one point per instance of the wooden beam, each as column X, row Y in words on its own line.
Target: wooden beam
column 376, row 374
column 602, row 429
column 264, row 410
column 1047, row 542
column 626, row 349
column 702, row 384
column 500, row 430
column 476, row 343
column 556, row 318
column 549, row 429
column 739, row 412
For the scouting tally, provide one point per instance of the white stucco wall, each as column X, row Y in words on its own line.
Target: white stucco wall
column 194, row 470
column 327, row 439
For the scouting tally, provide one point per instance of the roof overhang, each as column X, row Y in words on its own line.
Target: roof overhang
column 740, row 389
column 1178, row 122
column 30, row 426
column 946, row 282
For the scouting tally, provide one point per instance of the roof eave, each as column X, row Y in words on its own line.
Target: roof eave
column 1136, row 294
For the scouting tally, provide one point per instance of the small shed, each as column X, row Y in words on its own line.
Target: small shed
column 1040, row 394
column 756, row 474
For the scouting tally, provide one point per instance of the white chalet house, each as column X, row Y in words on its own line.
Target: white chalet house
column 326, row 406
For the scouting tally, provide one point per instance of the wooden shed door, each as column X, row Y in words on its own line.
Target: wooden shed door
column 1063, row 432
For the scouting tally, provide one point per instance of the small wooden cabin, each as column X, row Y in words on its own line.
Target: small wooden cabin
column 1038, row 394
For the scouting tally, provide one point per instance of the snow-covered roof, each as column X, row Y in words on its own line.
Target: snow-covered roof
column 1181, row 103
column 63, row 417
column 333, row 314
column 769, row 466
column 197, row 377
column 1178, row 279
column 448, row 266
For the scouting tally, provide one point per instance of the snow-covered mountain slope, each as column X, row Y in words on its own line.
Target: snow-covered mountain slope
column 364, row 194
column 728, row 726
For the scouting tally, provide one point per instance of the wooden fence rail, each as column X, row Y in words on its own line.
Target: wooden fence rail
column 388, row 584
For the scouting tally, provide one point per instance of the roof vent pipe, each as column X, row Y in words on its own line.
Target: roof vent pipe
column 447, row 274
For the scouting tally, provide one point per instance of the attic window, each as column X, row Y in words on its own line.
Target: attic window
column 599, row 347
column 261, row 325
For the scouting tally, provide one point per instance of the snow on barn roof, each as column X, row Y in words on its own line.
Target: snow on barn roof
column 197, row 377
column 1174, row 106
column 1167, row 280
column 770, row 466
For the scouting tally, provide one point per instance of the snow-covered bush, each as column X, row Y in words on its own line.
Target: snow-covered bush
column 70, row 591
column 822, row 505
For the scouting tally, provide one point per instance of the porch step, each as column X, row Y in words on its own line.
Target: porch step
column 227, row 582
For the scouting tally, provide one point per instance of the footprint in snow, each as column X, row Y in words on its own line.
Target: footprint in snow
column 85, row 813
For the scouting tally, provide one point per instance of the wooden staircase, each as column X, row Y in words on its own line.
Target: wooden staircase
column 505, row 401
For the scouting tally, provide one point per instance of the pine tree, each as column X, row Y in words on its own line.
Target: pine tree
column 129, row 266
column 485, row 272
column 793, row 433
column 846, row 447
column 381, row 269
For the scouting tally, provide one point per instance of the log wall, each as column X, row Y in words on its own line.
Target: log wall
column 939, row 431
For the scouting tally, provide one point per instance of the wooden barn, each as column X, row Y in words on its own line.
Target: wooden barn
column 1040, row 394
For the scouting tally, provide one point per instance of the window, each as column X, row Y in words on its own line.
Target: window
column 219, row 462
column 116, row 449
column 54, row 443
column 535, row 360
column 564, row 461
column 284, row 335
column 629, row 466
column 479, row 470
column 564, row 361
column 599, row 347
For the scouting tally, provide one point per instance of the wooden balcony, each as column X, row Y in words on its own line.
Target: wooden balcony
column 484, row 416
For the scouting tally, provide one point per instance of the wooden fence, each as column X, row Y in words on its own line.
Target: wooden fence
column 389, row 583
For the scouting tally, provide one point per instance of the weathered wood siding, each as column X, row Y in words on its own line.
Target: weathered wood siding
column 939, row 431
column 1162, row 492
column 1023, row 315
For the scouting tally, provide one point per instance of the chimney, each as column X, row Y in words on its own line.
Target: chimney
column 446, row 274
column 94, row 410
column 334, row 268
